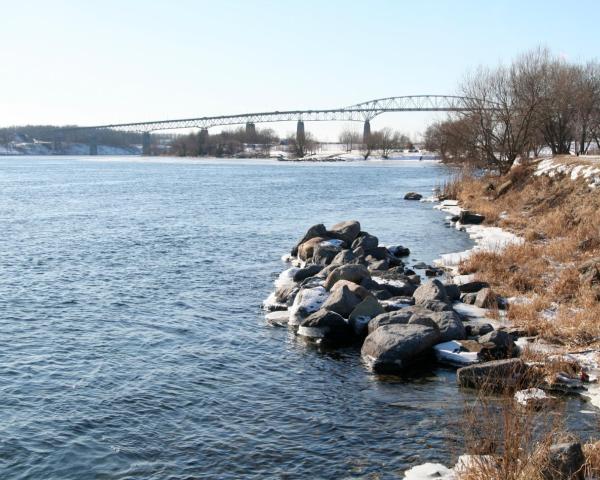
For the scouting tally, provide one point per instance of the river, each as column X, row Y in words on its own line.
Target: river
column 132, row 341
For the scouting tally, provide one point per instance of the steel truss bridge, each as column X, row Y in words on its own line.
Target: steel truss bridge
column 360, row 112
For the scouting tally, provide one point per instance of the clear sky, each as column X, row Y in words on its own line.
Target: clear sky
column 109, row 61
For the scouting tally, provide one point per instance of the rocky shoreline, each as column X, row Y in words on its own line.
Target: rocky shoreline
column 342, row 287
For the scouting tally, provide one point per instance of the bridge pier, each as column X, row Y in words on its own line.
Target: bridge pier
column 300, row 134
column 250, row 132
column 366, row 131
column 94, row 145
column 146, row 144
column 203, row 141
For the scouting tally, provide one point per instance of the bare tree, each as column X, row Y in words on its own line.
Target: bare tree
column 349, row 138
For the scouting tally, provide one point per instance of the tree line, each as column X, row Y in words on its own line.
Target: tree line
column 538, row 101
column 385, row 141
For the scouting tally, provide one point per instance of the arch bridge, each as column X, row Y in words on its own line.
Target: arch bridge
column 360, row 112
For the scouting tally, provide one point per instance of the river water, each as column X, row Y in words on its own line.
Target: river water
column 132, row 344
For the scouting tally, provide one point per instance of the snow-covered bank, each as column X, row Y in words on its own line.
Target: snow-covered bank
column 573, row 167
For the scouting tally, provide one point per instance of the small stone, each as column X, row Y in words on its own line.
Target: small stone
column 413, row 196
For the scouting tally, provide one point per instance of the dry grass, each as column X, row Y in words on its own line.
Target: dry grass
column 560, row 222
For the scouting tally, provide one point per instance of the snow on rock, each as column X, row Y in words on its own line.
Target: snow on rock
column 450, row 352
column 553, row 167
column 429, row 471
column 286, row 278
column 271, row 303
column 533, row 397
column 278, row 317
column 308, row 301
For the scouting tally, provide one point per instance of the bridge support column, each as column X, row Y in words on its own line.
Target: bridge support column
column 366, row 131
column 146, row 144
column 250, row 132
column 300, row 135
column 93, row 145
column 203, row 141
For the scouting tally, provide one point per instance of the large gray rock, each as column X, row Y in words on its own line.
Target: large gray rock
column 346, row 231
column 413, row 196
column 352, row 273
column 436, row 306
column 453, row 292
column 304, row 273
column 342, row 301
column 398, row 250
column 314, row 231
column 565, row 462
column 343, row 257
column 497, row 375
column 325, row 325
column 356, row 289
column 400, row 317
column 450, row 325
column 433, row 290
column 486, row 298
column 391, row 348
column 467, row 217
column 366, row 241
column 363, row 313
column 324, row 253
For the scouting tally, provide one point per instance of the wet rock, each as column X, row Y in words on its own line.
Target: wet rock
column 342, row 301
column 433, row 290
column 366, row 241
column 352, row 273
column 496, row 375
column 472, row 287
column 346, row 231
column 413, row 196
column 307, row 301
column 392, row 348
column 420, row 266
column 401, row 316
column 565, row 462
column 318, row 230
column 433, row 272
column 467, row 217
column 362, row 314
column 398, row 250
column 486, row 299
column 306, row 272
column 327, row 326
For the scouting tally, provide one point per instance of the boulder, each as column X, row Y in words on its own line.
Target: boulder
column 378, row 265
column 452, row 291
column 437, row 306
column 467, row 217
column 398, row 250
column 366, row 241
column 346, row 231
column 343, row 257
column 433, row 290
column 472, row 287
column 391, row 348
column 356, row 289
column 478, row 330
column 324, row 253
column 279, row 318
column 401, row 316
column 363, row 313
column 486, row 299
column 318, row 230
column 381, row 294
column 501, row 345
column 589, row 272
column 306, row 250
column 307, row 301
column 353, row 273
column 341, row 301
column 413, row 196
column 565, row 462
column 420, row 265
column 282, row 294
column 379, row 253
column 304, row 273
column 325, row 325
column 497, row 375
column 312, row 282
column 450, row 325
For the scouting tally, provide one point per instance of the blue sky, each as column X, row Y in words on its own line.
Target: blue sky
column 130, row 60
